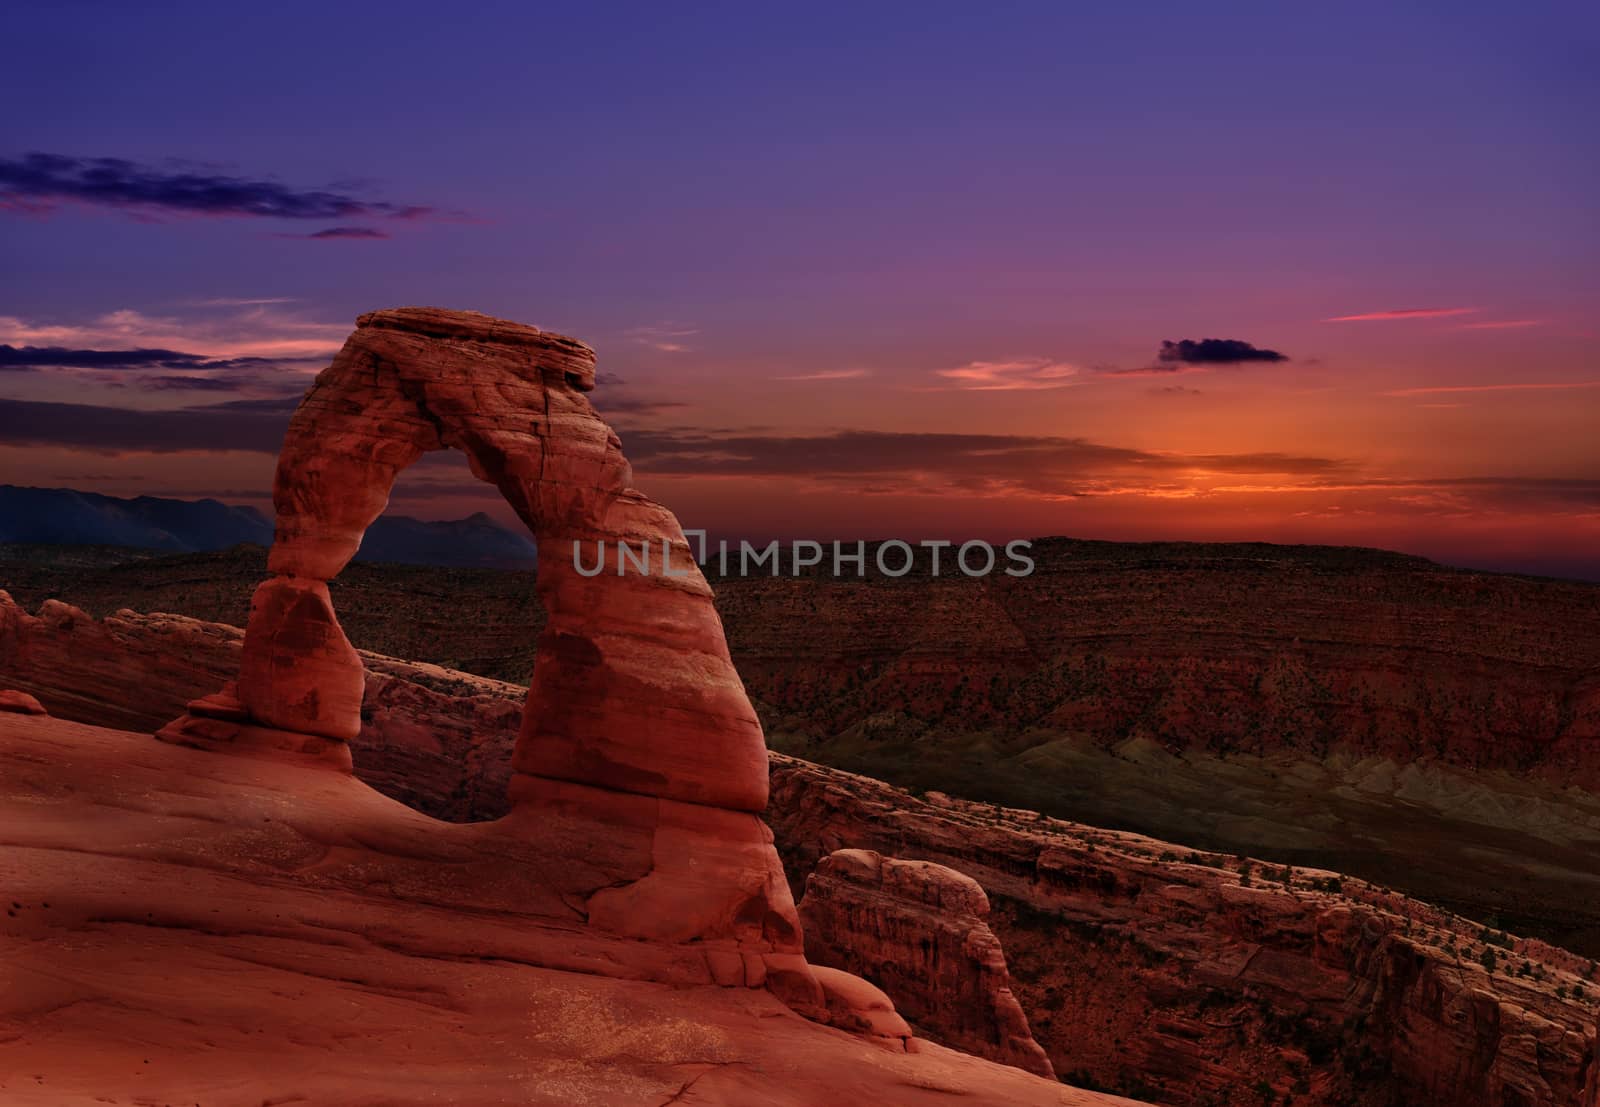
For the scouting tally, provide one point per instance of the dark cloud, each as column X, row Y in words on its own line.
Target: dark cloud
column 1504, row 493
column 59, row 357
column 635, row 405
column 115, row 429
column 1214, row 351
column 280, row 404
column 1026, row 462
column 23, row 358
column 40, row 181
column 1040, row 463
column 190, row 384
column 341, row 232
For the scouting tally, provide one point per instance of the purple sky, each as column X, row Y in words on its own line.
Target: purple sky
column 905, row 221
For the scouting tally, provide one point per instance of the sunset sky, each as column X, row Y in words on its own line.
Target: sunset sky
column 862, row 270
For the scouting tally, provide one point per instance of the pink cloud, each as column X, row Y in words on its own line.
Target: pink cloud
column 255, row 331
column 1024, row 374
column 1403, row 313
column 825, row 375
column 1530, row 386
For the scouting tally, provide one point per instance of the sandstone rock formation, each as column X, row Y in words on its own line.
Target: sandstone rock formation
column 181, row 928
column 634, row 690
column 917, row 930
column 20, row 702
column 636, row 725
column 1357, row 996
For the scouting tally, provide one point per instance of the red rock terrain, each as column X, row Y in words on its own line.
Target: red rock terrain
column 918, row 930
column 1221, row 649
column 1141, row 965
column 1193, row 978
column 189, row 927
column 632, row 849
column 1427, row 728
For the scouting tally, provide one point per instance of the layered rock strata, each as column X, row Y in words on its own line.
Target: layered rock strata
column 918, row 931
column 1203, row 979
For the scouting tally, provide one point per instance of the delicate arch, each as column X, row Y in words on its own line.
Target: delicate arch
column 633, row 689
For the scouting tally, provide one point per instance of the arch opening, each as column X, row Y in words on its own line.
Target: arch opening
column 633, row 689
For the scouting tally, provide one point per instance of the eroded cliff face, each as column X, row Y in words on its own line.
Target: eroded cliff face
column 1220, row 649
column 1199, row 978
column 918, row 930
column 1140, row 964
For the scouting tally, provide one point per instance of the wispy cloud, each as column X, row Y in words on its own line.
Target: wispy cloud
column 1502, row 325
column 180, row 383
column 41, row 183
column 1023, row 374
column 666, row 338
column 1516, row 386
column 1402, row 313
column 933, row 462
column 826, row 375
column 261, row 331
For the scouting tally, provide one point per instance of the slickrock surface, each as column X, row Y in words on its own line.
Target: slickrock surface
column 1140, row 964
column 917, row 930
column 1201, row 979
column 186, row 927
column 636, row 724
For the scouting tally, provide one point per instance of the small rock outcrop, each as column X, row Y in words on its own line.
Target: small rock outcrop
column 917, row 930
column 20, row 702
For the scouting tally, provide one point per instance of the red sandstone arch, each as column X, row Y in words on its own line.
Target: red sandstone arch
column 633, row 689
column 640, row 767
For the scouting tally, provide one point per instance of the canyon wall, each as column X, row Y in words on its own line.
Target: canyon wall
column 1191, row 978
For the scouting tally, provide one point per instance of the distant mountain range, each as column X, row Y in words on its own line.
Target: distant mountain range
column 64, row 516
